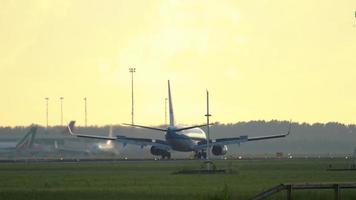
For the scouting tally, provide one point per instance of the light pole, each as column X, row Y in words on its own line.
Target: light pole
column 61, row 98
column 46, row 112
column 208, row 115
column 132, row 71
column 85, row 112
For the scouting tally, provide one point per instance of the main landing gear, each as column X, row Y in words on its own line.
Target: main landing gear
column 166, row 156
column 200, row 155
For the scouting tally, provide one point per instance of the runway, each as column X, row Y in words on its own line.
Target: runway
column 88, row 160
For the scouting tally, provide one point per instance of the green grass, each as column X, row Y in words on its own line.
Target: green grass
column 156, row 180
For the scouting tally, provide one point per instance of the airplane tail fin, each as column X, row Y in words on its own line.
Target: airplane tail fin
column 171, row 113
column 29, row 138
column 70, row 128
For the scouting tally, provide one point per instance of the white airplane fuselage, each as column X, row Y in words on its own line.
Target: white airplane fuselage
column 185, row 140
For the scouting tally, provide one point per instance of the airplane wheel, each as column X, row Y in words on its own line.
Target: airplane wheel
column 166, row 156
column 195, row 155
column 199, row 155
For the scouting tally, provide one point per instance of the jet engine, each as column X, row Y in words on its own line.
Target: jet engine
column 157, row 151
column 219, row 150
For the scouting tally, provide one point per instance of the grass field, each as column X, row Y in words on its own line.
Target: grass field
column 156, row 179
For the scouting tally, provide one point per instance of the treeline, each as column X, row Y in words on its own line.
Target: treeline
column 318, row 138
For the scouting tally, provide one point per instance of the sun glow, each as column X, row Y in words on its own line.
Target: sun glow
column 259, row 59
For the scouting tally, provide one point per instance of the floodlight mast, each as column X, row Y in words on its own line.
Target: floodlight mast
column 208, row 115
column 85, row 112
column 132, row 71
column 46, row 112
column 61, row 98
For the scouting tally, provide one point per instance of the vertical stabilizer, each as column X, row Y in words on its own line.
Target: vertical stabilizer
column 171, row 114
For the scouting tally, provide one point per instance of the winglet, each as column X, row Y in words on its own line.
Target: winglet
column 70, row 127
column 290, row 127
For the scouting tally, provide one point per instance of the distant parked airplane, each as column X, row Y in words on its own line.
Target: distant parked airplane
column 25, row 144
column 184, row 139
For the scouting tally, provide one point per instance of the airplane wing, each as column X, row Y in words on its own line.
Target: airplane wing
column 267, row 137
column 71, row 127
column 130, row 140
column 143, row 142
column 241, row 139
column 94, row 136
column 238, row 140
column 123, row 139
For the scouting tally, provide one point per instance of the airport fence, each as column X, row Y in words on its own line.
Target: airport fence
column 289, row 187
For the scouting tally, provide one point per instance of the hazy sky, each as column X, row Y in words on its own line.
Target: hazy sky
column 259, row 59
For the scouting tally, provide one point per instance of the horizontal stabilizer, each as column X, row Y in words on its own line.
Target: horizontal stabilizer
column 146, row 127
column 191, row 127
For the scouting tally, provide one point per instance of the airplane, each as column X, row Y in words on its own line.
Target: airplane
column 178, row 138
column 23, row 145
column 98, row 147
